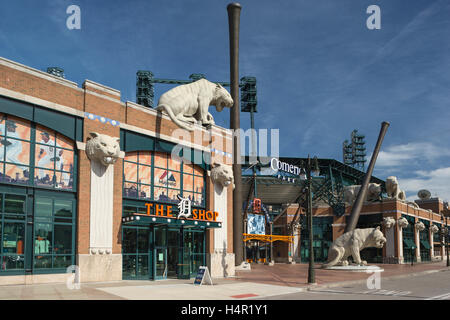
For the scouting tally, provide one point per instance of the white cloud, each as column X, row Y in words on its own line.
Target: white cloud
column 401, row 155
column 417, row 165
column 436, row 181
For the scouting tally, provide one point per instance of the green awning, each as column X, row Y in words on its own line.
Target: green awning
column 425, row 243
column 409, row 244
column 138, row 219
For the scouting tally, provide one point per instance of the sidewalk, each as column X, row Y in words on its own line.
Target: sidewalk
column 296, row 275
column 262, row 281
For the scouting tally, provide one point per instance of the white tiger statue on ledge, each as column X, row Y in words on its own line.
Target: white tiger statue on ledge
column 351, row 243
column 190, row 102
column 393, row 190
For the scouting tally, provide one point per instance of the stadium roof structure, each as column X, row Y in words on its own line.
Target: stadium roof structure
column 279, row 187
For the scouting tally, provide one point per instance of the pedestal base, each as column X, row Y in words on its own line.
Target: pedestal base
column 100, row 267
column 221, row 265
column 355, row 268
column 244, row 266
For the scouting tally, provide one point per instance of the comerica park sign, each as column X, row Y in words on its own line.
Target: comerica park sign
column 278, row 165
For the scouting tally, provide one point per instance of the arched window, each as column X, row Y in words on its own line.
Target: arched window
column 34, row 155
column 156, row 176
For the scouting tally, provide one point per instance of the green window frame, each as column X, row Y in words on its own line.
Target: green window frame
column 437, row 236
column 323, row 238
column 134, row 188
column 424, row 238
column 53, row 233
column 13, row 210
column 19, row 168
column 409, row 244
column 136, row 253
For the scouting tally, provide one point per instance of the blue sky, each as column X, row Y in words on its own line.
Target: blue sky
column 321, row 73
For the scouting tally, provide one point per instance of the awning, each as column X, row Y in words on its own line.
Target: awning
column 425, row 243
column 143, row 219
column 409, row 244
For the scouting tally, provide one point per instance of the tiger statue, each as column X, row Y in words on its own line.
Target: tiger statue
column 351, row 243
column 190, row 102
column 393, row 189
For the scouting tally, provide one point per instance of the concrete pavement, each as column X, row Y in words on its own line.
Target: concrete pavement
column 262, row 282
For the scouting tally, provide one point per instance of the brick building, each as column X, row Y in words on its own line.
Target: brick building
column 57, row 210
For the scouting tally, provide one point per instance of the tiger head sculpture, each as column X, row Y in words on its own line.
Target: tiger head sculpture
column 102, row 148
column 222, row 174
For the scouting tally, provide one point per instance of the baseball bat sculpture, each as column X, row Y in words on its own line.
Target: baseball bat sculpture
column 357, row 206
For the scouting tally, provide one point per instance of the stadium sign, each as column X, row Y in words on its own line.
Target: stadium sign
column 278, row 165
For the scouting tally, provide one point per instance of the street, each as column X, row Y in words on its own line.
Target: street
column 432, row 286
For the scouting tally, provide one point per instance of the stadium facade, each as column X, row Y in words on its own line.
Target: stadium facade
column 57, row 211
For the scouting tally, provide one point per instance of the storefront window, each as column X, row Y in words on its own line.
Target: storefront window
column 25, row 148
column 12, row 237
column 53, row 233
column 145, row 171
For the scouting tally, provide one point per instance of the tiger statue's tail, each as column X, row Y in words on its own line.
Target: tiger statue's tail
column 335, row 254
column 167, row 109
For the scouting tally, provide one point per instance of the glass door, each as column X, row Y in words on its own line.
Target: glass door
column 185, row 263
column 172, row 252
column 161, row 263
column 160, row 252
column 198, row 251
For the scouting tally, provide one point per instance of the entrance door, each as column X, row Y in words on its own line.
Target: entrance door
column 161, row 263
column 160, row 252
column 172, row 252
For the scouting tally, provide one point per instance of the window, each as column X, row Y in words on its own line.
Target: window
column 156, row 176
column 137, row 175
column 33, row 155
column 53, row 159
column 54, row 232
column 12, row 231
column 167, row 178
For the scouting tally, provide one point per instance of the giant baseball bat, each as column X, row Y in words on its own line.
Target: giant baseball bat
column 234, row 12
column 357, row 206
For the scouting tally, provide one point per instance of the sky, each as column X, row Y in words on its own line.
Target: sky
column 321, row 73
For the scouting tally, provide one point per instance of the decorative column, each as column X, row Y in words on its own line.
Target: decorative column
column 433, row 229
column 221, row 262
column 296, row 245
column 419, row 226
column 401, row 224
column 389, row 224
column 100, row 264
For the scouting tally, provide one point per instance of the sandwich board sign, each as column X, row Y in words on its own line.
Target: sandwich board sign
column 203, row 275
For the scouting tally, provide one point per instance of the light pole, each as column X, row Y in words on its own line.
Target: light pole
column 305, row 173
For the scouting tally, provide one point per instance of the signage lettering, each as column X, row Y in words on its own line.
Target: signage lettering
column 164, row 210
column 276, row 165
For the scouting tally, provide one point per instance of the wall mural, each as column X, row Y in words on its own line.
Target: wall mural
column 166, row 182
column 53, row 154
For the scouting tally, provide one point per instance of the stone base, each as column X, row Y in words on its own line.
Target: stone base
column 34, row 279
column 355, row 268
column 244, row 266
column 221, row 265
column 100, row 267
column 271, row 263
